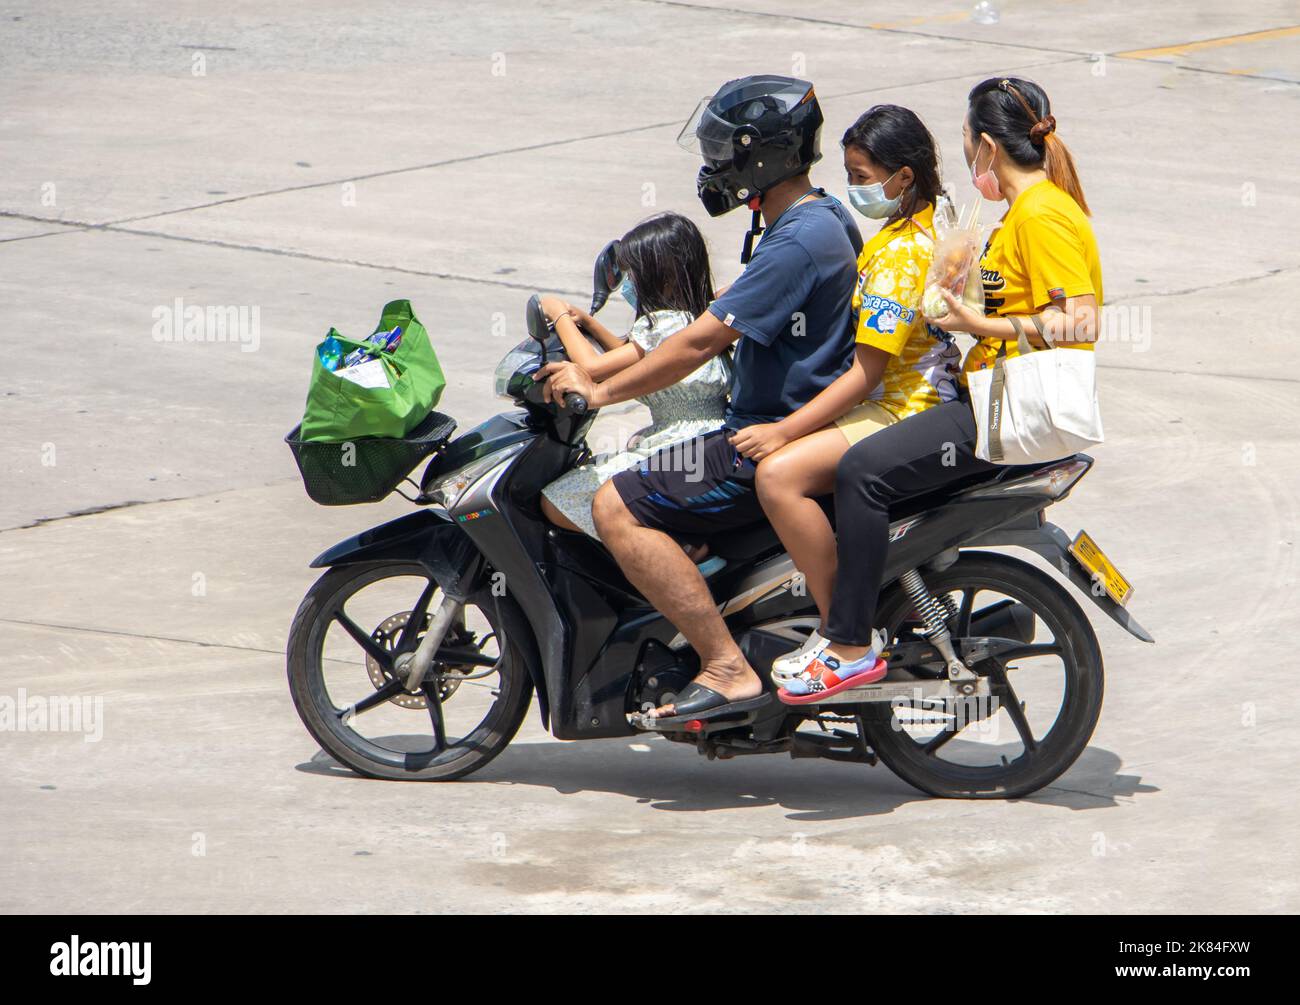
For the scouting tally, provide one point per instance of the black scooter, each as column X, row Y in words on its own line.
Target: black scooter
column 416, row 655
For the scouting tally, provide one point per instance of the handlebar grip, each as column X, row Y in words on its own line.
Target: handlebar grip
column 575, row 403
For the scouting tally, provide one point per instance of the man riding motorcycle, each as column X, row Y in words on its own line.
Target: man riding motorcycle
column 787, row 315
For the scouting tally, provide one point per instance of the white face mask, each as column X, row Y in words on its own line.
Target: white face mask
column 870, row 200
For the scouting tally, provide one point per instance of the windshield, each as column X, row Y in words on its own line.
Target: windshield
column 706, row 134
column 525, row 358
column 522, row 358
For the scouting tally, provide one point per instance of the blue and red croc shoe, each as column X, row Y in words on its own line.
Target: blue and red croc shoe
column 826, row 675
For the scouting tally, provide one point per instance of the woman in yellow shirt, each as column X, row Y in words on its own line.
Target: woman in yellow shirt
column 900, row 366
column 1042, row 277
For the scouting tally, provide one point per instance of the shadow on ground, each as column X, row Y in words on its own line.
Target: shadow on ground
column 670, row 779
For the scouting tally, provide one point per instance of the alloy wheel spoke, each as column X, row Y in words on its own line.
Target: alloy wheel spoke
column 934, row 744
column 415, row 624
column 1017, row 713
column 373, row 649
column 390, row 689
column 1025, row 652
column 433, row 702
column 464, row 657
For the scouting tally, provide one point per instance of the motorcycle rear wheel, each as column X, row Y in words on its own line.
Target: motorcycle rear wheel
column 325, row 720
column 1042, row 758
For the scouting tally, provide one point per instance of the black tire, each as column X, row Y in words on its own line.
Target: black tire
column 318, row 713
column 1069, row 734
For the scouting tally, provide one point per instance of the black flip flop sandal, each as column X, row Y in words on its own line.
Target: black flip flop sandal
column 699, row 702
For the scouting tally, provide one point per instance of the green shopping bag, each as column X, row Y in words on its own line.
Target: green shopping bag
column 339, row 410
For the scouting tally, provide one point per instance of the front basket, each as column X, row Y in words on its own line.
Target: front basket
column 368, row 468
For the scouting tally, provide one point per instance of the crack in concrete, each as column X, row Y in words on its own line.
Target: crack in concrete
column 1236, row 281
column 130, row 503
column 467, row 158
column 1200, row 373
column 900, row 30
column 893, row 30
column 95, row 510
column 142, row 636
column 108, row 228
column 117, row 224
column 329, row 260
column 33, row 237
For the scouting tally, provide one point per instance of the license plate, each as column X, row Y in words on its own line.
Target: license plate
column 1096, row 564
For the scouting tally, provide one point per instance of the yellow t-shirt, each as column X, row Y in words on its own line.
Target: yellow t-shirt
column 887, row 315
column 1044, row 249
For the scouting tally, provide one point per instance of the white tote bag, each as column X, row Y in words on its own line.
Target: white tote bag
column 1038, row 406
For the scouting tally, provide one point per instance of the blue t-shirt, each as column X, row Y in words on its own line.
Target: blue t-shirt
column 791, row 308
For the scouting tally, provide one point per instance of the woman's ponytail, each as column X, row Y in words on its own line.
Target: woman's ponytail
column 1059, row 166
column 1018, row 115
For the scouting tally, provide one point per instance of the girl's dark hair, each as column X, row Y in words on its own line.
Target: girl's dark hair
column 669, row 265
column 1017, row 114
column 894, row 137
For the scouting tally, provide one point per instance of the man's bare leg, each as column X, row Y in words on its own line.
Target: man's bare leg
column 656, row 565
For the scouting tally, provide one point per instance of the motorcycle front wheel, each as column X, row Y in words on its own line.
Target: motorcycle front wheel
column 1046, row 686
column 351, row 627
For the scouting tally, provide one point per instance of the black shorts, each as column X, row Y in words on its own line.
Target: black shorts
column 692, row 489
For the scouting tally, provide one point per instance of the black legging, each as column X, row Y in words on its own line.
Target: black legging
column 921, row 453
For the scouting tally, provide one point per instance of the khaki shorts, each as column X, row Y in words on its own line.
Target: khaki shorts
column 865, row 419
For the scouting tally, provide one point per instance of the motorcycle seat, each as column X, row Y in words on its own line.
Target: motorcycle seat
column 759, row 540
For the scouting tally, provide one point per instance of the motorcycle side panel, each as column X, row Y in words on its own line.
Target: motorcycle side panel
column 953, row 525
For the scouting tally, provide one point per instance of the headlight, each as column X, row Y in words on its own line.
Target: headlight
column 517, row 357
column 448, row 489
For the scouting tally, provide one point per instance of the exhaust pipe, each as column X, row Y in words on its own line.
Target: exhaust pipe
column 1007, row 619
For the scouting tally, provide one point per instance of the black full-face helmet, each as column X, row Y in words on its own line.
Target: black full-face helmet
column 754, row 133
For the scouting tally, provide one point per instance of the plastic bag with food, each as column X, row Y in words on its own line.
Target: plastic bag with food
column 954, row 267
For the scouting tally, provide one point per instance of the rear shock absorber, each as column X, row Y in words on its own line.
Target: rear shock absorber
column 934, row 615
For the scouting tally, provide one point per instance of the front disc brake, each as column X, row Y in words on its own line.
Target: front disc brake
column 387, row 634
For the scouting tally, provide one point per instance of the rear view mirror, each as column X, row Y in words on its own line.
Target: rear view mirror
column 606, row 276
column 538, row 327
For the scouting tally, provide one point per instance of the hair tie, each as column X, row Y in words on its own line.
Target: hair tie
column 1040, row 129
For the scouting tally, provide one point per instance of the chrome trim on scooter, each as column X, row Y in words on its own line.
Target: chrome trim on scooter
column 773, row 576
column 478, row 494
column 914, row 690
column 422, row 658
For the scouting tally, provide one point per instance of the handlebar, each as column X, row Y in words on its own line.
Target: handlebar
column 573, row 403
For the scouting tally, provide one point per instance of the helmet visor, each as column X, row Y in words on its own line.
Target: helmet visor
column 706, row 134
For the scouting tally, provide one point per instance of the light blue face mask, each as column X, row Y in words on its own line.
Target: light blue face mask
column 870, row 201
column 628, row 291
